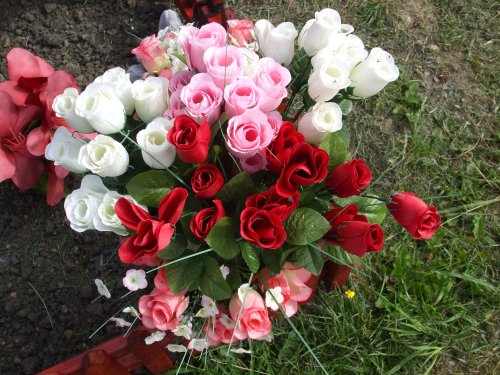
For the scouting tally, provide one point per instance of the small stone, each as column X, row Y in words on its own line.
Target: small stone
column 433, row 48
column 30, row 365
column 68, row 333
column 26, row 269
column 95, row 309
column 12, row 306
column 79, row 15
column 49, row 7
column 73, row 69
column 87, row 291
column 29, row 17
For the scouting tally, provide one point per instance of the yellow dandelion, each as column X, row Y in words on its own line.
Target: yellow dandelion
column 350, row 293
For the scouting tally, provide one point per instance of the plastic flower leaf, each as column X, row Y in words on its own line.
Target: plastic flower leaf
column 198, row 344
column 154, row 337
column 120, row 322
column 135, row 279
column 242, row 290
column 241, row 351
column 273, row 303
column 183, row 330
column 209, row 305
column 102, row 289
column 350, row 293
column 227, row 321
column 225, row 271
column 132, row 311
column 174, row 348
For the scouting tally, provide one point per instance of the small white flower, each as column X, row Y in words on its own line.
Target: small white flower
column 132, row 311
column 102, row 289
column 150, row 97
column 270, row 301
column 203, row 313
column 120, row 322
column 227, row 321
column 242, row 291
column 119, row 81
column 209, row 304
column 135, row 279
column 157, row 152
column 104, row 156
column 64, row 107
column 174, row 348
column 225, row 271
column 198, row 344
column 154, row 337
column 241, row 351
column 184, row 330
column 63, row 150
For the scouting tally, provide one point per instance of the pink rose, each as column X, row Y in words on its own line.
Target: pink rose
column 241, row 32
column 275, row 120
column 224, row 64
column 221, row 330
column 202, row 98
column 241, row 95
column 162, row 310
column 179, row 80
column 273, row 79
column 186, row 34
column 255, row 163
column 248, row 133
column 175, row 106
column 210, row 35
column 254, row 320
column 153, row 57
column 160, row 281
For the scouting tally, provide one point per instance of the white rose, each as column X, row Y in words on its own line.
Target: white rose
column 347, row 48
column 157, row 152
column 324, row 83
column 82, row 204
column 374, row 73
column 119, row 80
column 150, row 97
column 63, row 150
column 104, row 156
column 106, row 219
column 322, row 119
column 102, row 108
column 64, row 106
column 314, row 35
column 276, row 42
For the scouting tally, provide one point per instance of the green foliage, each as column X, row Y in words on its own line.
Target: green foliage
column 175, row 249
column 184, row 274
column 336, row 145
column 305, row 226
column 212, row 282
column 272, row 259
column 237, row 188
column 150, row 187
column 251, row 255
column 374, row 209
column 300, row 70
column 222, row 238
column 309, row 258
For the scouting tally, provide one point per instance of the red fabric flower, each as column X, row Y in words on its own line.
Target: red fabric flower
column 273, row 202
column 278, row 152
column 359, row 237
column 202, row 223
column 262, row 228
column 307, row 165
column 349, row 179
column 207, row 180
column 190, row 139
column 152, row 235
column 338, row 215
column 418, row 218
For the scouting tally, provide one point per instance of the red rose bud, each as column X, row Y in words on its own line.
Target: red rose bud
column 202, row 223
column 190, row 139
column 418, row 218
column 338, row 215
column 278, row 152
column 207, row 180
column 349, row 179
column 307, row 165
column 360, row 237
column 262, row 228
column 271, row 201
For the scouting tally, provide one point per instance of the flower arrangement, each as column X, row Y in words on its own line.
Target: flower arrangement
column 226, row 170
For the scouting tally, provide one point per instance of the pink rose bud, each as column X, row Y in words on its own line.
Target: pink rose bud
column 273, row 79
column 202, row 98
column 153, row 57
column 209, row 35
column 241, row 95
column 241, row 32
column 223, row 64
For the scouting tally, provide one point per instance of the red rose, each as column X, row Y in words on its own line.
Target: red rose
column 307, row 165
column 207, row 180
column 202, row 223
column 338, row 215
column 152, row 235
column 414, row 215
column 262, row 228
column 359, row 237
column 349, row 179
column 271, row 201
column 190, row 139
column 278, row 152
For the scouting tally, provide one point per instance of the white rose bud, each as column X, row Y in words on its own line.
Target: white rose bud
column 104, row 156
column 324, row 83
column 82, row 204
column 347, row 48
column 276, row 42
column 63, row 150
column 250, row 62
column 119, row 80
column 106, row 219
column 324, row 118
column 315, row 33
column 64, row 106
column 157, row 152
column 102, row 108
column 150, row 97
column 374, row 73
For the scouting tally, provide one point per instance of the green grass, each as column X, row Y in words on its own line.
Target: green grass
column 420, row 307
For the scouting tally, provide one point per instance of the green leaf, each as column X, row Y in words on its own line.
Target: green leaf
column 237, row 188
column 222, row 239
column 346, row 106
column 185, row 221
column 150, row 187
column 305, row 226
column 184, row 274
column 309, row 258
column 212, row 282
column 234, row 278
column 272, row 259
column 300, row 69
column 336, row 145
column 339, row 255
column 175, row 249
column 251, row 256
column 374, row 210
